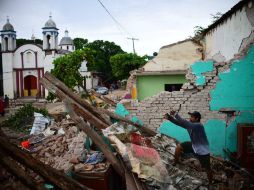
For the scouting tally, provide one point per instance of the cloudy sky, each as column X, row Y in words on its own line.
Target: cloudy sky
column 154, row 23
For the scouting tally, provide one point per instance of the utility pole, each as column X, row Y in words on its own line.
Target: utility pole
column 133, row 39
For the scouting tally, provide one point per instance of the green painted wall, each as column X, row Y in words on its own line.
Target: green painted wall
column 150, row 85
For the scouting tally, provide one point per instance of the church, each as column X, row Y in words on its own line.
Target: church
column 23, row 66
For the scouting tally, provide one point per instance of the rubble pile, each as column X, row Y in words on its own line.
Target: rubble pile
column 188, row 174
column 57, row 150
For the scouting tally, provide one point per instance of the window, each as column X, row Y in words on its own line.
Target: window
column 67, row 47
column 48, row 41
column 28, row 57
column 172, row 87
column 6, row 43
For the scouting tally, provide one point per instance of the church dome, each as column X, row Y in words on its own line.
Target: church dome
column 8, row 26
column 50, row 23
column 66, row 40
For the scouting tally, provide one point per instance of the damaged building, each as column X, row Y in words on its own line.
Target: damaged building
column 220, row 87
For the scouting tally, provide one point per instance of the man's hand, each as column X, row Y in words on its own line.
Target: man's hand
column 172, row 112
column 166, row 116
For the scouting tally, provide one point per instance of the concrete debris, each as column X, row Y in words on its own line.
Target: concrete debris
column 57, row 150
column 187, row 174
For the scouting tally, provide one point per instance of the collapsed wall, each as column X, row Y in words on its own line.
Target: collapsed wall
column 204, row 93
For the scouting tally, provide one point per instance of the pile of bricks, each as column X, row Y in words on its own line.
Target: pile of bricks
column 58, row 150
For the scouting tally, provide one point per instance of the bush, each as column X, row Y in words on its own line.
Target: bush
column 22, row 118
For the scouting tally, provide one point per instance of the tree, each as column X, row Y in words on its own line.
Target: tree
column 103, row 50
column 22, row 41
column 80, row 43
column 66, row 68
column 123, row 63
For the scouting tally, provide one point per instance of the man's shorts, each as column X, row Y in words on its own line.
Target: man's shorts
column 203, row 159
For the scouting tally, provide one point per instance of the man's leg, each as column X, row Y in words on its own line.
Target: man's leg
column 178, row 152
column 205, row 163
column 209, row 173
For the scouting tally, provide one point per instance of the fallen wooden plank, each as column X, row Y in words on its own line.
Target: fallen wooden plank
column 103, row 146
column 14, row 168
column 49, row 174
column 88, row 116
column 61, row 86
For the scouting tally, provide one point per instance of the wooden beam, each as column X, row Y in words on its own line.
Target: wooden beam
column 61, row 86
column 49, row 174
column 13, row 167
column 88, row 116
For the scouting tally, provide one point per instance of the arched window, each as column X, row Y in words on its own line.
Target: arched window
column 29, row 57
column 6, row 44
column 48, row 41
column 13, row 43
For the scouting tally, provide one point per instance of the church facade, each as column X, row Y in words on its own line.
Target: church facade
column 24, row 66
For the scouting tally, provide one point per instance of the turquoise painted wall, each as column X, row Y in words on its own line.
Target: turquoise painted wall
column 150, row 85
column 234, row 91
column 219, row 136
column 200, row 67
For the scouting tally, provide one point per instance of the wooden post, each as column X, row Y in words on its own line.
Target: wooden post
column 59, row 84
column 88, row 116
column 103, row 146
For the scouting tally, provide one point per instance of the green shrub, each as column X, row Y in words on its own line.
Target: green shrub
column 22, row 118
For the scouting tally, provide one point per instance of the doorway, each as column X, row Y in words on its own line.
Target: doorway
column 30, row 85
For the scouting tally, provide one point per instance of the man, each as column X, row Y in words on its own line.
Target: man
column 199, row 145
column 6, row 101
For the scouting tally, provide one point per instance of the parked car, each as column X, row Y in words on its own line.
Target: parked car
column 102, row 90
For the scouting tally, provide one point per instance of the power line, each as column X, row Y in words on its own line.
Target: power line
column 119, row 26
column 113, row 18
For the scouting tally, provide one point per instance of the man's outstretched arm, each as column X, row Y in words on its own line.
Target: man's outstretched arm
column 171, row 118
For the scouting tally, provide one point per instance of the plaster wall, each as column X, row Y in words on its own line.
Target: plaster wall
column 174, row 57
column 224, row 41
column 28, row 52
column 8, row 83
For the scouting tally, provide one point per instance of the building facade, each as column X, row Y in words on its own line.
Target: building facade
column 23, row 66
column 166, row 71
column 221, row 88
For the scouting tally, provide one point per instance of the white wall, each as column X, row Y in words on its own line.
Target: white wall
column 70, row 48
column 8, row 80
column 225, row 40
column 28, row 48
